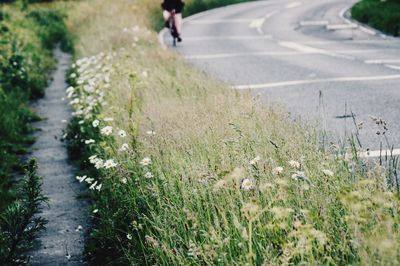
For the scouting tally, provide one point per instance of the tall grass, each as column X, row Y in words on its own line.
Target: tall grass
column 184, row 171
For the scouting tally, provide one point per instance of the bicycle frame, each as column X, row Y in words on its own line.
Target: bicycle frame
column 172, row 27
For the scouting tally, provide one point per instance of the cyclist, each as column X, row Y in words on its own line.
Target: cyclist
column 170, row 5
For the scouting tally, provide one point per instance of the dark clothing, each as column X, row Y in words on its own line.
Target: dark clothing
column 170, row 5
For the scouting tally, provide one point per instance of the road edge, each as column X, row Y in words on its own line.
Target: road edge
column 345, row 15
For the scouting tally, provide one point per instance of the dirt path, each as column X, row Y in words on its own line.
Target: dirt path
column 62, row 242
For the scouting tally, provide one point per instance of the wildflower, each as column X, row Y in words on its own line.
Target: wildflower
column 129, row 236
column 151, row 133
column 247, row 184
column 81, row 178
column 81, row 122
column 92, row 158
column 277, row 170
column 146, row 161
column 93, row 185
column 328, row 172
column 124, row 147
column 148, row 175
column 99, row 163
column 90, row 141
column 98, row 188
column 122, row 133
column 73, row 75
column 255, row 160
column 110, row 164
column 106, row 131
column 124, row 180
column 95, row 211
column 294, row 164
column 89, row 180
column 95, row 123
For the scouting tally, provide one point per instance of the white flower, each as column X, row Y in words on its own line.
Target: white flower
column 277, row 170
column 89, row 180
column 124, row 147
column 106, row 131
column 294, row 164
column 129, row 236
column 247, row 184
column 98, row 163
column 70, row 90
column 90, row 141
column 122, row 133
column 73, row 75
column 95, row 211
column 93, row 185
column 148, row 175
column 98, row 188
column 255, row 160
column 81, row 122
column 150, row 133
column 110, row 164
column 328, row 172
column 124, row 180
column 92, row 158
column 81, row 178
column 146, row 161
column 95, row 123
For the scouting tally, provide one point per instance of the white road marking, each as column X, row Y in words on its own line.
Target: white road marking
column 243, row 37
column 293, row 5
column 312, row 50
column 276, row 53
column 301, row 48
column 314, row 23
column 315, row 81
column 382, row 61
column 393, row 67
column 368, row 31
column 341, row 26
column 258, row 23
column 229, row 55
column 217, row 21
column 379, row 153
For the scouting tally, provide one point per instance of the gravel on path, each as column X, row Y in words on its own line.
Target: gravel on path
column 62, row 242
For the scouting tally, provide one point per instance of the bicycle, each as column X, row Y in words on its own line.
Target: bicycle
column 172, row 28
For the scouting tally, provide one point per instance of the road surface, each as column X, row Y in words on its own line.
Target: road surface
column 305, row 56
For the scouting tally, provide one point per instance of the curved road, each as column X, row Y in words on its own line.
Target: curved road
column 306, row 56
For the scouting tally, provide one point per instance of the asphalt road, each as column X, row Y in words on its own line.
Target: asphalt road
column 305, row 56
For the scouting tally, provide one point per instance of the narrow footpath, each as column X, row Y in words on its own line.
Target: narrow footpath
column 62, row 242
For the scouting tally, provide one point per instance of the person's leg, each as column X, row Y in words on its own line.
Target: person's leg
column 178, row 22
column 166, row 16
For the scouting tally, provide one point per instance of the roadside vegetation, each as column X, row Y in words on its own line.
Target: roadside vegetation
column 382, row 15
column 28, row 34
column 184, row 171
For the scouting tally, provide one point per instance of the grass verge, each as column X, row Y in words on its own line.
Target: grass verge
column 382, row 15
column 183, row 171
column 28, row 34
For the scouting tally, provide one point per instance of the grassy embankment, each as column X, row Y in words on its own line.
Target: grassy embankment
column 27, row 36
column 184, row 171
column 382, row 15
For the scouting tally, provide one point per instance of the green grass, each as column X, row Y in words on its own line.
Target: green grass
column 382, row 15
column 190, row 204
